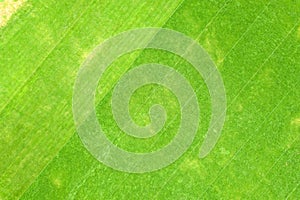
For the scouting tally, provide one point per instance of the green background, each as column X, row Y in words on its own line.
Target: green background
column 254, row 44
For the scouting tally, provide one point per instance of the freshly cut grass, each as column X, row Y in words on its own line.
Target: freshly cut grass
column 256, row 47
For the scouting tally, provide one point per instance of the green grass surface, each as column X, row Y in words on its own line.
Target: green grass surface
column 256, row 47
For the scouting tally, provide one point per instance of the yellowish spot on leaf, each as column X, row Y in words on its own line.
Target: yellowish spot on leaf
column 240, row 107
column 190, row 164
column 57, row 182
column 211, row 46
column 296, row 122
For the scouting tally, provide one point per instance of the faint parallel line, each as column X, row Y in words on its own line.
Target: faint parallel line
column 75, row 21
column 17, row 90
column 248, row 28
column 212, row 19
column 236, row 98
column 273, row 165
column 265, row 7
column 177, row 7
column 61, row 147
column 293, row 190
column 114, row 84
column 153, row 91
column 74, row 191
column 34, row 72
column 57, row 152
column 266, row 60
column 199, row 35
column 244, row 144
column 64, row 35
column 197, row 38
column 174, row 172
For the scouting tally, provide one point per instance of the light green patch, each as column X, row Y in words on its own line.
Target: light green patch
column 296, row 122
column 212, row 48
column 190, row 164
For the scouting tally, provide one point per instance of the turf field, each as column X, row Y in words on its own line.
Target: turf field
column 256, row 48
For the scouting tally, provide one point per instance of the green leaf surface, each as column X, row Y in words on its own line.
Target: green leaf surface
column 255, row 46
